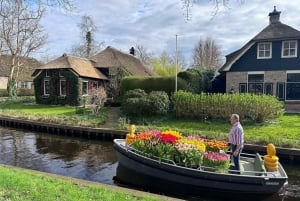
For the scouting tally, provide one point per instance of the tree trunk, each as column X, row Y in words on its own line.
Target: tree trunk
column 11, row 88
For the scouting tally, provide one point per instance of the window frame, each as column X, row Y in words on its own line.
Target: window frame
column 60, row 87
column 289, row 49
column 87, row 88
column 45, row 91
column 264, row 50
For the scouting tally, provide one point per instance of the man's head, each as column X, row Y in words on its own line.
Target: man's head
column 234, row 118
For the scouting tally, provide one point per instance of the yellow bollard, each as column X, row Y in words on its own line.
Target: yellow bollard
column 271, row 160
column 130, row 136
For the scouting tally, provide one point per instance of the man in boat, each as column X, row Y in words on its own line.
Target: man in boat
column 236, row 140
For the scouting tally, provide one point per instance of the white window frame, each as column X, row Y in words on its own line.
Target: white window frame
column 47, row 73
column 87, row 88
column 264, row 50
column 289, row 48
column 60, row 88
column 46, row 94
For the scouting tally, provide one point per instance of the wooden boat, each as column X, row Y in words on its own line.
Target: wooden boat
column 167, row 176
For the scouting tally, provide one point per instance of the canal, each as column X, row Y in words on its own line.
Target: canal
column 86, row 159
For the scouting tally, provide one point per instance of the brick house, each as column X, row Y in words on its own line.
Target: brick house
column 268, row 64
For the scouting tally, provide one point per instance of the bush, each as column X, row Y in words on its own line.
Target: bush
column 197, row 80
column 159, row 102
column 137, row 103
column 25, row 92
column 257, row 108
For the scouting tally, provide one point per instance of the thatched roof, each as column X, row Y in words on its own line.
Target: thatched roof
column 83, row 67
column 25, row 71
column 111, row 57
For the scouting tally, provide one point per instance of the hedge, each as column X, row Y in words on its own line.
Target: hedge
column 148, row 84
column 220, row 106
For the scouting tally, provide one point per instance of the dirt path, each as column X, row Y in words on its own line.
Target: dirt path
column 113, row 117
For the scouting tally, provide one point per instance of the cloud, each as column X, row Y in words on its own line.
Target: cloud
column 154, row 24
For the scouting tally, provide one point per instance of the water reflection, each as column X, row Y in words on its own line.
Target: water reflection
column 79, row 158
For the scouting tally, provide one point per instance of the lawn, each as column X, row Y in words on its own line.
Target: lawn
column 25, row 185
column 67, row 115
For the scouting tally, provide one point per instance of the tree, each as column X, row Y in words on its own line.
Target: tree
column 207, row 54
column 89, row 47
column 165, row 65
column 20, row 35
column 97, row 99
column 188, row 4
column 143, row 54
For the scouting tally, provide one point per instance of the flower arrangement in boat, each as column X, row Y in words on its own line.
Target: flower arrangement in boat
column 217, row 161
column 188, row 151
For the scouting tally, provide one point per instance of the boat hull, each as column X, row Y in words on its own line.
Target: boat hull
column 180, row 180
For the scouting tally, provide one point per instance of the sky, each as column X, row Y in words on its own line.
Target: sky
column 154, row 24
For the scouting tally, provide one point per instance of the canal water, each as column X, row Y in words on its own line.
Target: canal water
column 86, row 159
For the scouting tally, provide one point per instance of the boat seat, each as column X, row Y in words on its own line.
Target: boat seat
column 259, row 165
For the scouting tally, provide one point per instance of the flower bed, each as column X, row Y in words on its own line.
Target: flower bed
column 187, row 151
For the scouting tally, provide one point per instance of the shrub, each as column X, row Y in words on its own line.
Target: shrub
column 197, row 80
column 257, row 108
column 25, row 92
column 159, row 102
column 138, row 103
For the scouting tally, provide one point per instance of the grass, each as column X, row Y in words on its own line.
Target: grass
column 24, row 185
column 67, row 115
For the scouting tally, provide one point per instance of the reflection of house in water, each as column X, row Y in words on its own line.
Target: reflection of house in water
column 89, row 152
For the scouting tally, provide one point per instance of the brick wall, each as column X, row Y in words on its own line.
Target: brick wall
column 233, row 79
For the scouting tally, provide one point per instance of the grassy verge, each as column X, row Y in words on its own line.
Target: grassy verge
column 19, row 184
column 67, row 115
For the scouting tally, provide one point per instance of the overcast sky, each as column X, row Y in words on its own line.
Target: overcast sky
column 154, row 24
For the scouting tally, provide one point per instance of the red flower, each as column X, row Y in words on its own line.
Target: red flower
column 167, row 138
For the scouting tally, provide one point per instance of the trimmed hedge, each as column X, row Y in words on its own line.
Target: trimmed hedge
column 148, row 84
column 137, row 103
column 257, row 108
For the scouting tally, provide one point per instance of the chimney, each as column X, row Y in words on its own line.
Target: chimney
column 274, row 16
column 131, row 51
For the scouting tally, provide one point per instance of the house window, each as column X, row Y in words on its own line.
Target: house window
column 255, row 83
column 289, row 48
column 61, row 73
column 63, row 88
column 243, row 88
column 268, row 88
column 280, row 93
column 264, row 50
column 24, row 85
column 85, row 88
column 293, row 86
column 47, row 74
column 46, row 87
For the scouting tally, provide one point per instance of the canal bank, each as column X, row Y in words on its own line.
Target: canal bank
column 290, row 154
column 62, row 181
